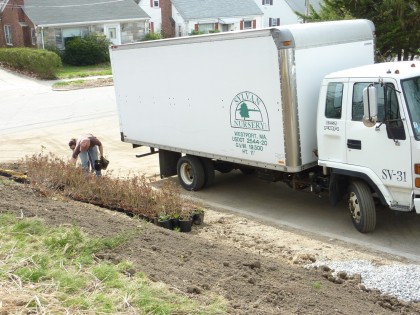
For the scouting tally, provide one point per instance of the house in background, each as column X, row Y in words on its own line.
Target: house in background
column 2, row 6
column 153, row 9
column 16, row 30
column 49, row 23
column 183, row 17
column 282, row 12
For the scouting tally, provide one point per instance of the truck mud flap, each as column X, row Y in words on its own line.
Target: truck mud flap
column 168, row 162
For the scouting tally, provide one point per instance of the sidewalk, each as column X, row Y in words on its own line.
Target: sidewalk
column 7, row 75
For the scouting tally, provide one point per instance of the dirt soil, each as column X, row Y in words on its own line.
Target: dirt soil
column 257, row 268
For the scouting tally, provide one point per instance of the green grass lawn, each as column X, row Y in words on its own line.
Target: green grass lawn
column 54, row 271
column 70, row 72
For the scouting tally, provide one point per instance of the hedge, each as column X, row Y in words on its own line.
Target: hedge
column 89, row 50
column 42, row 63
column 152, row 36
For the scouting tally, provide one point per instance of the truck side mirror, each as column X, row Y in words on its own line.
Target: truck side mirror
column 370, row 106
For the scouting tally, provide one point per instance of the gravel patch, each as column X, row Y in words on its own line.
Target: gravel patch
column 399, row 280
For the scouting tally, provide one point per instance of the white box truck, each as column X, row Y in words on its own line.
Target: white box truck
column 302, row 103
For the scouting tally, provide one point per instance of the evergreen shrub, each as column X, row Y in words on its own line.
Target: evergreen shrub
column 42, row 63
column 89, row 50
column 152, row 36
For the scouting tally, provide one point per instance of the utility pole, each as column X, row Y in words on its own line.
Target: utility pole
column 306, row 10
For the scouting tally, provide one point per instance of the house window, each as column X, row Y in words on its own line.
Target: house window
column 274, row 22
column 154, row 3
column 112, row 33
column 58, row 38
column 69, row 33
column 247, row 25
column 8, row 34
column 33, row 36
column 206, row 27
column 267, row 2
column 84, row 31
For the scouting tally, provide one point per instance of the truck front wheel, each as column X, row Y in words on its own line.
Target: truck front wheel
column 362, row 207
column 190, row 172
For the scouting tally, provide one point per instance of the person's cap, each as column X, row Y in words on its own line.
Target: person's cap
column 84, row 145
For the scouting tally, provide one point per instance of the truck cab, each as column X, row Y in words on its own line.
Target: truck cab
column 370, row 141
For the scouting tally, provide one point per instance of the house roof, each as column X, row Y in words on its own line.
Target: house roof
column 199, row 9
column 300, row 5
column 70, row 12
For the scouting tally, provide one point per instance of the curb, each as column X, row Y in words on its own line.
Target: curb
column 106, row 81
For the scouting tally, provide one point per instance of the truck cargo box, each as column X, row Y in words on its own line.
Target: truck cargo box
column 247, row 97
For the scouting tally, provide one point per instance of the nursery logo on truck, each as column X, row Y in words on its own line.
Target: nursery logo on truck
column 247, row 111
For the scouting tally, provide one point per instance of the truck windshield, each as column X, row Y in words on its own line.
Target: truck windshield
column 411, row 91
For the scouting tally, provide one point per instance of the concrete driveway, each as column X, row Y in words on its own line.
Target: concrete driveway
column 35, row 119
column 278, row 205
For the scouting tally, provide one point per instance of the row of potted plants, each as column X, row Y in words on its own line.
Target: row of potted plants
column 182, row 220
column 134, row 195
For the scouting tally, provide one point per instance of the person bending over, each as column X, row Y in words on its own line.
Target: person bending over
column 86, row 147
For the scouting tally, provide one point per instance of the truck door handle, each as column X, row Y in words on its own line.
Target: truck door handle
column 354, row 144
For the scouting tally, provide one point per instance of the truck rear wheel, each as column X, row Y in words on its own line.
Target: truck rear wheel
column 208, row 166
column 247, row 170
column 223, row 167
column 362, row 207
column 190, row 172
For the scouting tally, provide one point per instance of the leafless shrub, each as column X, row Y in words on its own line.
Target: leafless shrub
column 48, row 173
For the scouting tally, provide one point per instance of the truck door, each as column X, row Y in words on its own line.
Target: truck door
column 383, row 149
column 332, row 120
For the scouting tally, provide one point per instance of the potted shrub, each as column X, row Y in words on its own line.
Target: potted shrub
column 185, row 225
column 185, row 219
column 164, row 220
column 174, row 217
column 198, row 216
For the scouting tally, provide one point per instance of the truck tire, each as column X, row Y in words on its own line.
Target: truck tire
column 337, row 188
column 223, row 167
column 247, row 170
column 190, row 172
column 208, row 167
column 362, row 207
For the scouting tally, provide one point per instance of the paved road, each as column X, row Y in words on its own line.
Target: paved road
column 35, row 118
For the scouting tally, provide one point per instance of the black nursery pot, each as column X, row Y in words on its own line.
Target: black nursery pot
column 167, row 224
column 185, row 225
column 175, row 223
column 198, row 218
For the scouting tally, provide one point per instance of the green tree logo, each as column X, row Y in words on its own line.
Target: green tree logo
column 244, row 111
column 248, row 111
